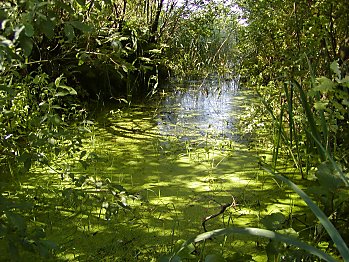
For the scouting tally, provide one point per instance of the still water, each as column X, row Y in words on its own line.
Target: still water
column 200, row 109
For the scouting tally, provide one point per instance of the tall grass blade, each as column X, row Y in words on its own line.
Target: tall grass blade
column 321, row 112
column 289, row 97
column 331, row 230
column 282, row 133
column 279, row 134
column 267, row 234
column 309, row 114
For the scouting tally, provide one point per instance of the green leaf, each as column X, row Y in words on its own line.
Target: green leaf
column 16, row 221
column 26, row 44
column 145, row 59
column 324, row 85
column 273, row 221
column 184, row 251
column 71, row 91
column 335, row 68
column 65, row 7
column 69, row 32
column 155, row 51
column 81, row 26
column 81, row 2
column 327, row 177
column 321, row 105
column 27, row 163
column 263, row 233
column 55, row 120
column 29, row 30
column 45, row 247
column 48, row 28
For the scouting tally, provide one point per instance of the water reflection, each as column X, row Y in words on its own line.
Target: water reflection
column 199, row 110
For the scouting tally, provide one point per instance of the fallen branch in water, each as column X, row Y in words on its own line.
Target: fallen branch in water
column 233, row 204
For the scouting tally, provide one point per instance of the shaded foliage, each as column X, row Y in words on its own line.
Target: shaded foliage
column 294, row 57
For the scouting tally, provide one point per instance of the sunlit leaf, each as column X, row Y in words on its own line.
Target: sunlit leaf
column 335, row 68
column 71, row 90
column 145, row 59
column 321, row 105
column 324, row 84
column 155, row 51
column 61, row 94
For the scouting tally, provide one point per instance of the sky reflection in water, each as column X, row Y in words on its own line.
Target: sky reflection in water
column 199, row 110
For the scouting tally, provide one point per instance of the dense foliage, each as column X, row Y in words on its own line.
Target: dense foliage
column 295, row 56
column 57, row 58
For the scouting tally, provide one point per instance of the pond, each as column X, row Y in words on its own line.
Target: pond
column 200, row 109
column 180, row 158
